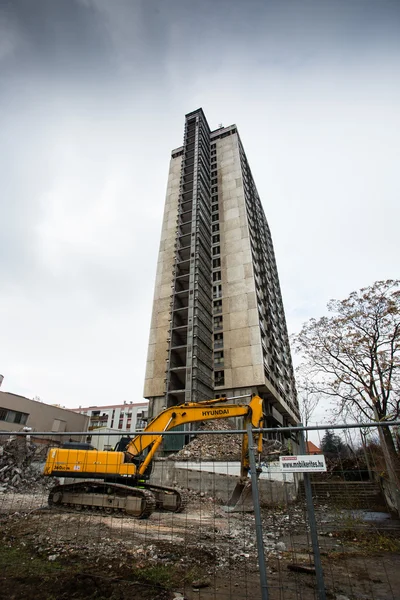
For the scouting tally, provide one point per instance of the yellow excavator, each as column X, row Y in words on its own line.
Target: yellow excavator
column 118, row 481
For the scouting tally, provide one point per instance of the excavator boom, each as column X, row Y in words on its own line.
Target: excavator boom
column 195, row 412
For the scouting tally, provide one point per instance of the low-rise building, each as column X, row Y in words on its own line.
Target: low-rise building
column 312, row 448
column 17, row 412
column 107, row 440
column 127, row 417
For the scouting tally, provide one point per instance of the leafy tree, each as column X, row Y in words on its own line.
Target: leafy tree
column 331, row 443
column 353, row 356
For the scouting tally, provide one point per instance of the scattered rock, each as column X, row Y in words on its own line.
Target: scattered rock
column 302, row 568
column 280, row 546
column 201, row 583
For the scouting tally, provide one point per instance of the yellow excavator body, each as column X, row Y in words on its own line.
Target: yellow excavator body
column 65, row 462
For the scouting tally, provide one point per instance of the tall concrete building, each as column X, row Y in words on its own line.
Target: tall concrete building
column 218, row 324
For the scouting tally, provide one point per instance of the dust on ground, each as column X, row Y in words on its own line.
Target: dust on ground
column 202, row 553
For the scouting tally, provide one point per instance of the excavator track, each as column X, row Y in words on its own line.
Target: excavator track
column 168, row 498
column 107, row 498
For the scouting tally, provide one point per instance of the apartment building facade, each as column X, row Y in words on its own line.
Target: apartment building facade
column 126, row 417
column 218, row 325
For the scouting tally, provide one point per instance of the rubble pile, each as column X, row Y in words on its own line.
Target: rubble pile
column 16, row 469
column 212, row 447
column 224, row 447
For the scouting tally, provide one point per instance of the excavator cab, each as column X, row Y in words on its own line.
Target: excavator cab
column 122, row 444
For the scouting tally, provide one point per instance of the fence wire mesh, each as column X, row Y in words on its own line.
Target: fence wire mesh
column 206, row 551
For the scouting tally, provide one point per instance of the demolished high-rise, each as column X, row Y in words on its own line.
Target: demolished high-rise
column 218, row 325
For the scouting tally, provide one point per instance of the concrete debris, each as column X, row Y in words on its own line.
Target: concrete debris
column 53, row 557
column 212, row 447
column 201, row 583
column 281, row 546
column 16, row 469
column 222, row 447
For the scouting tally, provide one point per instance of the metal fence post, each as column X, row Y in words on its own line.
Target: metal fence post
column 313, row 524
column 257, row 516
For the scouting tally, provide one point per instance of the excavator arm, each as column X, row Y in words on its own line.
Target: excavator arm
column 209, row 410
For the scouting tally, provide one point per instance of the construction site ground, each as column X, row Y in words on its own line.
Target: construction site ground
column 202, row 553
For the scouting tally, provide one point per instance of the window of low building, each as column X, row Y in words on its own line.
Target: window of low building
column 13, row 416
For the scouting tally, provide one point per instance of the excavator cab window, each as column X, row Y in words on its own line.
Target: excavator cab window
column 121, row 445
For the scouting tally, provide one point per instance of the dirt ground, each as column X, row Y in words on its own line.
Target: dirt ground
column 203, row 553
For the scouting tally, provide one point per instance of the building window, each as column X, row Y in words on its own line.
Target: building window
column 219, row 358
column 215, row 227
column 217, row 307
column 216, row 250
column 13, row 416
column 217, row 291
column 216, row 263
column 218, row 340
column 216, row 238
column 218, row 323
column 219, row 378
column 217, row 276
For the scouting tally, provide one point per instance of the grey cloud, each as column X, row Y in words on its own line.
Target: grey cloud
column 62, row 38
column 92, row 99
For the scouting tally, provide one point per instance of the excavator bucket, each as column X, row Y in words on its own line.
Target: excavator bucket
column 241, row 499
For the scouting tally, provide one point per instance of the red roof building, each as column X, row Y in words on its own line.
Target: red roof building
column 313, row 449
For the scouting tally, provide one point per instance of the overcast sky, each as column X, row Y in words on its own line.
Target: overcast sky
column 93, row 95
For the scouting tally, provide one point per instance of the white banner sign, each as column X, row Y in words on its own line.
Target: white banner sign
column 303, row 463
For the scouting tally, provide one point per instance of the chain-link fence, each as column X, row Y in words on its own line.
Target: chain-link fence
column 197, row 542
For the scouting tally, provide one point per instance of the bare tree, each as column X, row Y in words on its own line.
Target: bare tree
column 353, row 356
column 308, row 399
